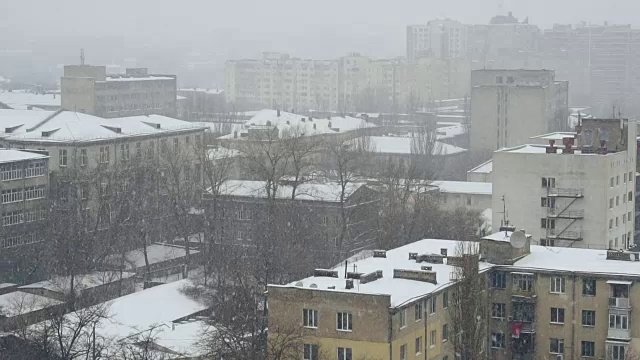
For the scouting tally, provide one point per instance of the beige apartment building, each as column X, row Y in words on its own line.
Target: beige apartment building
column 350, row 83
column 510, row 106
column 577, row 191
column 89, row 89
column 397, row 304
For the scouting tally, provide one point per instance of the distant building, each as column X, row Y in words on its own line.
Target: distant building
column 475, row 196
column 577, row 192
column 481, row 173
column 442, row 38
column 90, row 90
column 200, row 104
column 510, row 106
column 28, row 100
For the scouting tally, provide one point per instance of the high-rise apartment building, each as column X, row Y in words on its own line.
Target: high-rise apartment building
column 510, row 106
column 441, row 38
column 89, row 89
column 578, row 191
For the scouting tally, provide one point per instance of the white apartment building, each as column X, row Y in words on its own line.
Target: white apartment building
column 441, row 38
column 579, row 193
column 510, row 106
column 90, row 90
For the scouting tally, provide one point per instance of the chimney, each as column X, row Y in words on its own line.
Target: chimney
column 314, row 126
column 349, row 284
column 302, row 119
column 416, row 275
column 551, row 149
column 443, row 252
column 379, row 253
column 430, row 258
column 568, row 145
column 278, row 113
column 603, row 147
column 329, row 124
column 372, row 276
column 413, row 256
column 235, row 134
column 325, row 273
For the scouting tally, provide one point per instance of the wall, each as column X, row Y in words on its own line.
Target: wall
column 78, row 94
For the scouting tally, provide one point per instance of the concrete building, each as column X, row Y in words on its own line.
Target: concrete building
column 481, row 173
column 90, row 90
column 510, row 106
column 197, row 104
column 455, row 195
column 580, row 194
column 397, row 304
column 441, row 38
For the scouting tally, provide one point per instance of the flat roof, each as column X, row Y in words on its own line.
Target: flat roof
column 20, row 302
column 20, row 99
column 12, row 155
column 404, row 145
column 464, row 187
column 81, row 282
column 328, row 192
column 558, row 136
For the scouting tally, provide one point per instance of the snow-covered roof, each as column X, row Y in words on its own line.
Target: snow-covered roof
column 70, row 126
column 20, row 302
column 400, row 290
column 156, row 253
column 403, row 145
column 81, row 282
column 10, row 155
column 289, row 122
column 527, row 149
column 157, row 307
column 113, row 78
column 484, row 168
column 222, row 152
column 204, row 91
column 464, row 187
column 329, row 192
column 557, row 136
column 20, row 99
column 449, row 131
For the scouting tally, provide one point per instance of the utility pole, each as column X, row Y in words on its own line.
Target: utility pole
column 81, row 56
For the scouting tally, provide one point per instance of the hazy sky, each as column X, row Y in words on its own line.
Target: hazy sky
column 305, row 27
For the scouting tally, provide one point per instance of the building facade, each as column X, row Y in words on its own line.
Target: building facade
column 580, row 194
column 90, row 90
column 441, row 38
column 510, row 106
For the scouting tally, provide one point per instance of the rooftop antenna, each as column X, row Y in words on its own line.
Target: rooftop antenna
column 81, row 56
column 505, row 222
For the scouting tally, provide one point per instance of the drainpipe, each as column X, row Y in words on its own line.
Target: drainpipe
column 390, row 334
column 573, row 314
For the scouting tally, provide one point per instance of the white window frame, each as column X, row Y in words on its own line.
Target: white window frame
column 502, row 307
column 83, row 157
column 559, row 313
column 344, row 321
column 620, row 322
column 558, row 344
column 310, row 352
column 104, row 154
column 403, row 352
column 557, row 285
column 498, row 340
column 418, row 311
column 310, row 318
column 62, row 157
column 347, row 353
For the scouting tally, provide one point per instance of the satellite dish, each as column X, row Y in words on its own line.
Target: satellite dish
column 313, row 286
column 518, row 239
column 299, row 284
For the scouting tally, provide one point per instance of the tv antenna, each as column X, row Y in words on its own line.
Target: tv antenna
column 81, row 56
column 505, row 222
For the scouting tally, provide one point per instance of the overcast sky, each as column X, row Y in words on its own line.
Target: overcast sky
column 301, row 26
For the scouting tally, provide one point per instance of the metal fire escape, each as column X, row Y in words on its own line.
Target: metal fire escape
column 564, row 201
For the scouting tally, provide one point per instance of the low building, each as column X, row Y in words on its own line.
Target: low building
column 474, row 196
column 541, row 303
column 19, row 309
column 29, row 100
column 201, row 104
column 481, row 173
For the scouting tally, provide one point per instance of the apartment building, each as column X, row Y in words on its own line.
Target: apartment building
column 579, row 193
column 89, row 89
column 24, row 184
column 454, row 195
column 440, row 38
column 348, row 84
column 510, row 106
column 312, row 217
column 396, row 304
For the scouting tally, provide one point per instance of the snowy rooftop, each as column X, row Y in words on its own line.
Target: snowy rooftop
column 288, row 122
column 204, row 91
column 329, row 192
column 21, row 99
column 450, row 131
column 156, row 253
column 404, row 145
column 222, row 152
column 9, row 155
column 484, row 168
column 557, row 136
column 136, row 78
column 464, row 187
column 81, row 282
column 528, row 149
column 69, row 126
column 20, row 302
column 400, row 290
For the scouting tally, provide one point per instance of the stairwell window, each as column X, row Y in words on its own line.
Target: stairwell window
column 344, row 321
column 557, row 285
column 418, row 309
column 403, row 352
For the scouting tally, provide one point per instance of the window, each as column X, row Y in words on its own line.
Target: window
column 630, row 196
column 497, row 340
column 84, row 192
column 150, row 150
column 522, row 282
column 588, row 318
column 344, row 354
column 588, row 349
column 498, row 310
column 432, row 305
column 616, row 352
column 240, row 234
column 617, row 180
column 197, row 137
column 310, row 318
column 124, row 152
column 138, row 150
column 617, row 200
column 557, row 285
column 418, row 311
column 11, row 195
column 163, row 146
column 11, row 172
column 62, row 157
column 344, row 321
column 445, row 300
column 589, row 287
column 548, row 223
column 624, row 177
column 35, row 169
column 498, row 280
column 325, row 220
column 548, row 202
column 104, row 154
column 611, row 182
column 548, row 182
column 556, row 346
column 176, row 143
column 547, row 242
column 187, row 140
column 197, row 173
column 418, row 345
column 434, row 338
column 610, row 224
column 557, row 315
column 34, row 192
column 403, row 318
column 445, row 332
column 618, row 322
column 243, row 214
column 403, row 352
column 310, row 352
column 611, row 203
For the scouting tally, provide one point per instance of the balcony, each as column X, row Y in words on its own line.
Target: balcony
column 619, row 303
column 567, row 214
column 557, row 234
column 565, row 192
column 622, row 334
